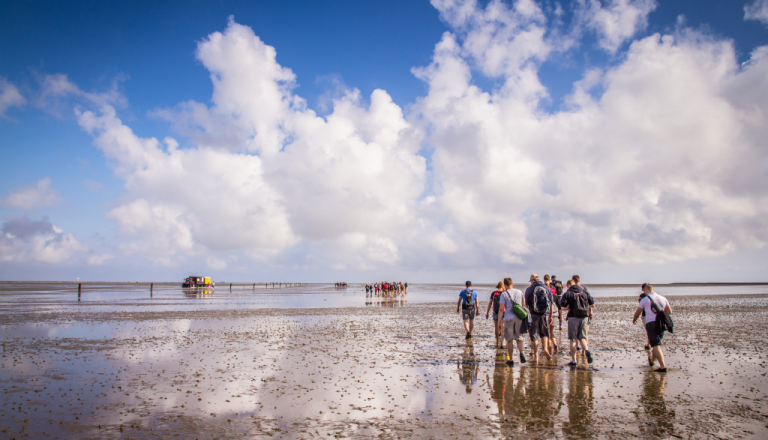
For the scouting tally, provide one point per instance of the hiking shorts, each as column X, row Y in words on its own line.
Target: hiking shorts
column 539, row 327
column 654, row 336
column 513, row 329
column 495, row 317
column 468, row 314
column 577, row 328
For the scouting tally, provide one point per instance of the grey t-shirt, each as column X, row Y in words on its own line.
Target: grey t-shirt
column 507, row 297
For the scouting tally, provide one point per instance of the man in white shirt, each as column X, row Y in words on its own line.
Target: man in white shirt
column 512, row 324
column 651, row 328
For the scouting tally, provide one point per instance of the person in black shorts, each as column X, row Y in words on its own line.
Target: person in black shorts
column 647, row 304
column 539, row 330
column 469, row 306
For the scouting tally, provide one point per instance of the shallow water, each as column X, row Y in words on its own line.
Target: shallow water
column 313, row 361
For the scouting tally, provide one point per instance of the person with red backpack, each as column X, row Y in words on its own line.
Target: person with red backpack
column 579, row 303
column 494, row 302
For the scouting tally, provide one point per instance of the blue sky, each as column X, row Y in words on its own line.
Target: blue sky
column 146, row 57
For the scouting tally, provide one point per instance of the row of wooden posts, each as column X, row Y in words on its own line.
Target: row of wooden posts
column 152, row 287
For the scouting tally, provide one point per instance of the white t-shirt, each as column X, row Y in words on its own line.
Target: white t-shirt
column 516, row 296
column 645, row 303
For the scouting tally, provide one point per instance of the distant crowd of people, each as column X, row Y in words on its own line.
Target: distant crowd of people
column 516, row 313
column 341, row 285
column 386, row 288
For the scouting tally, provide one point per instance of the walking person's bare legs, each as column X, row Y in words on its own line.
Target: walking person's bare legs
column 552, row 347
column 545, row 347
column 573, row 349
column 659, row 356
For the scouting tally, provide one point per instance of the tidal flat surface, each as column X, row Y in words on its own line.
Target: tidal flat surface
column 313, row 361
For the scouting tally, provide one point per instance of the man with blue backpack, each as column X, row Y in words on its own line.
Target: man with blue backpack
column 469, row 306
column 538, row 297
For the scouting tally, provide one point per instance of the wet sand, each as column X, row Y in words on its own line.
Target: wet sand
column 388, row 369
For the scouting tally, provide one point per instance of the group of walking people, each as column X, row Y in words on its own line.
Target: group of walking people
column 517, row 313
column 386, row 288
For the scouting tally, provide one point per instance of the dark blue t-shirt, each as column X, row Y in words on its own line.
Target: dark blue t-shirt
column 529, row 295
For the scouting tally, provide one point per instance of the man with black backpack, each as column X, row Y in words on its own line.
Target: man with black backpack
column 539, row 300
column 657, row 320
column 579, row 303
column 469, row 306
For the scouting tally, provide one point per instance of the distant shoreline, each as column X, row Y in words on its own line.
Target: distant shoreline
column 222, row 283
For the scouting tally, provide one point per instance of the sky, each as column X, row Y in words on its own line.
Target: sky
column 255, row 141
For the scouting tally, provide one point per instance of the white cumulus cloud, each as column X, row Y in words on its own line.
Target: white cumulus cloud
column 665, row 164
column 32, row 197
column 614, row 21
column 9, row 96
column 190, row 200
column 264, row 171
column 26, row 240
column 757, row 10
column 659, row 157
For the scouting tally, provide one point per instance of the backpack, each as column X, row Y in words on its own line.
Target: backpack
column 468, row 303
column 582, row 305
column 519, row 311
column 496, row 301
column 558, row 287
column 663, row 321
column 540, row 304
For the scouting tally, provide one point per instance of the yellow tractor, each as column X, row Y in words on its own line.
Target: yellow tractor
column 197, row 282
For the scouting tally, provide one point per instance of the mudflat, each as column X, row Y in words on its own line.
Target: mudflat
column 194, row 364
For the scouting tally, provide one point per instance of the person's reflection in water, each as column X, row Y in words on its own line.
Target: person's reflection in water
column 580, row 401
column 468, row 366
column 544, row 392
column 498, row 382
column 658, row 420
column 530, row 404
